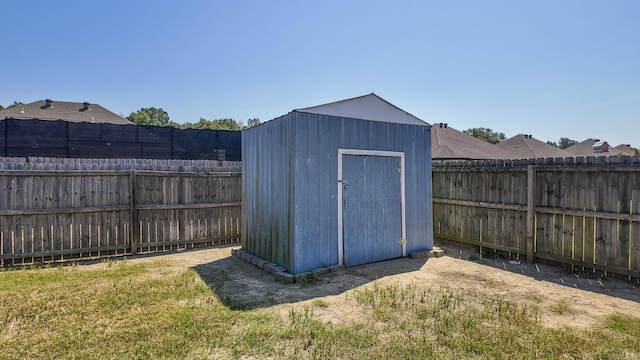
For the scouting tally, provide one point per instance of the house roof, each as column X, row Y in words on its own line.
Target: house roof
column 448, row 143
column 524, row 146
column 64, row 110
column 367, row 107
column 622, row 149
column 585, row 148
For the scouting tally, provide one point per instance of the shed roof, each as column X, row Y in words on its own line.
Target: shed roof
column 448, row 143
column 526, row 147
column 64, row 110
column 366, row 107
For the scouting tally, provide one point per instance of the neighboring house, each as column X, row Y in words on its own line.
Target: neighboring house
column 524, row 146
column 448, row 143
column 64, row 110
column 600, row 147
column 583, row 148
column 590, row 147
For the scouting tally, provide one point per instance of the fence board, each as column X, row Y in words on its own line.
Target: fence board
column 586, row 211
column 52, row 215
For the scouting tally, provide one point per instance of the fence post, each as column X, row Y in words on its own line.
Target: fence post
column 531, row 211
column 134, row 228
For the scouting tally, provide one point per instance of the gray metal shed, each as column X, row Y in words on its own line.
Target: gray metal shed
column 343, row 183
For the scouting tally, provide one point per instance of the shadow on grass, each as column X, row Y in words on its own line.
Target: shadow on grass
column 240, row 285
column 575, row 277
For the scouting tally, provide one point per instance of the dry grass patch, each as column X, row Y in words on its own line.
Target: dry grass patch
column 157, row 309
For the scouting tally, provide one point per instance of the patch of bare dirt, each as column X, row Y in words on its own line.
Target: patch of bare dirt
column 564, row 297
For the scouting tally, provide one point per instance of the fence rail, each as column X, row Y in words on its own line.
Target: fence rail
column 91, row 164
column 50, row 215
column 584, row 211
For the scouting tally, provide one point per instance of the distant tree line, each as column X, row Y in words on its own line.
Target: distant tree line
column 157, row 117
column 495, row 137
column 15, row 103
column 563, row 143
column 486, row 134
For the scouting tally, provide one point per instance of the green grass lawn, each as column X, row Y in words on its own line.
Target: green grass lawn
column 156, row 310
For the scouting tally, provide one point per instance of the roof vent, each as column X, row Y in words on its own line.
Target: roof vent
column 48, row 103
column 86, row 106
column 596, row 140
column 21, row 109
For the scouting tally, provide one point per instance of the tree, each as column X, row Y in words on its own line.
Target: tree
column 486, row 134
column 225, row 124
column 564, row 143
column 150, row 116
column 15, row 103
column 217, row 124
column 253, row 122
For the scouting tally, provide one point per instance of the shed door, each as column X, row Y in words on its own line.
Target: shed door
column 372, row 208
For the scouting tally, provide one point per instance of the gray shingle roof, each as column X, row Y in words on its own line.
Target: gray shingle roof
column 584, row 148
column 63, row 110
column 448, row 143
column 622, row 149
column 526, row 147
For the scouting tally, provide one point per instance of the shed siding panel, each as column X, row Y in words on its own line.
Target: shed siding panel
column 419, row 193
column 327, row 176
column 304, row 160
column 267, row 151
column 316, row 184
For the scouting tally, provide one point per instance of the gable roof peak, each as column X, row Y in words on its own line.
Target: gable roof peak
column 366, row 107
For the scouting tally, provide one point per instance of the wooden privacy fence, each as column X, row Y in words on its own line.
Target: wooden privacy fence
column 583, row 211
column 60, row 215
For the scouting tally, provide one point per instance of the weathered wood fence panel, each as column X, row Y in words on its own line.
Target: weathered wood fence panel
column 199, row 209
column 59, row 215
column 583, row 212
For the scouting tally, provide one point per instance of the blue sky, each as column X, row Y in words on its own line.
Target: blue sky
column 568, row 68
